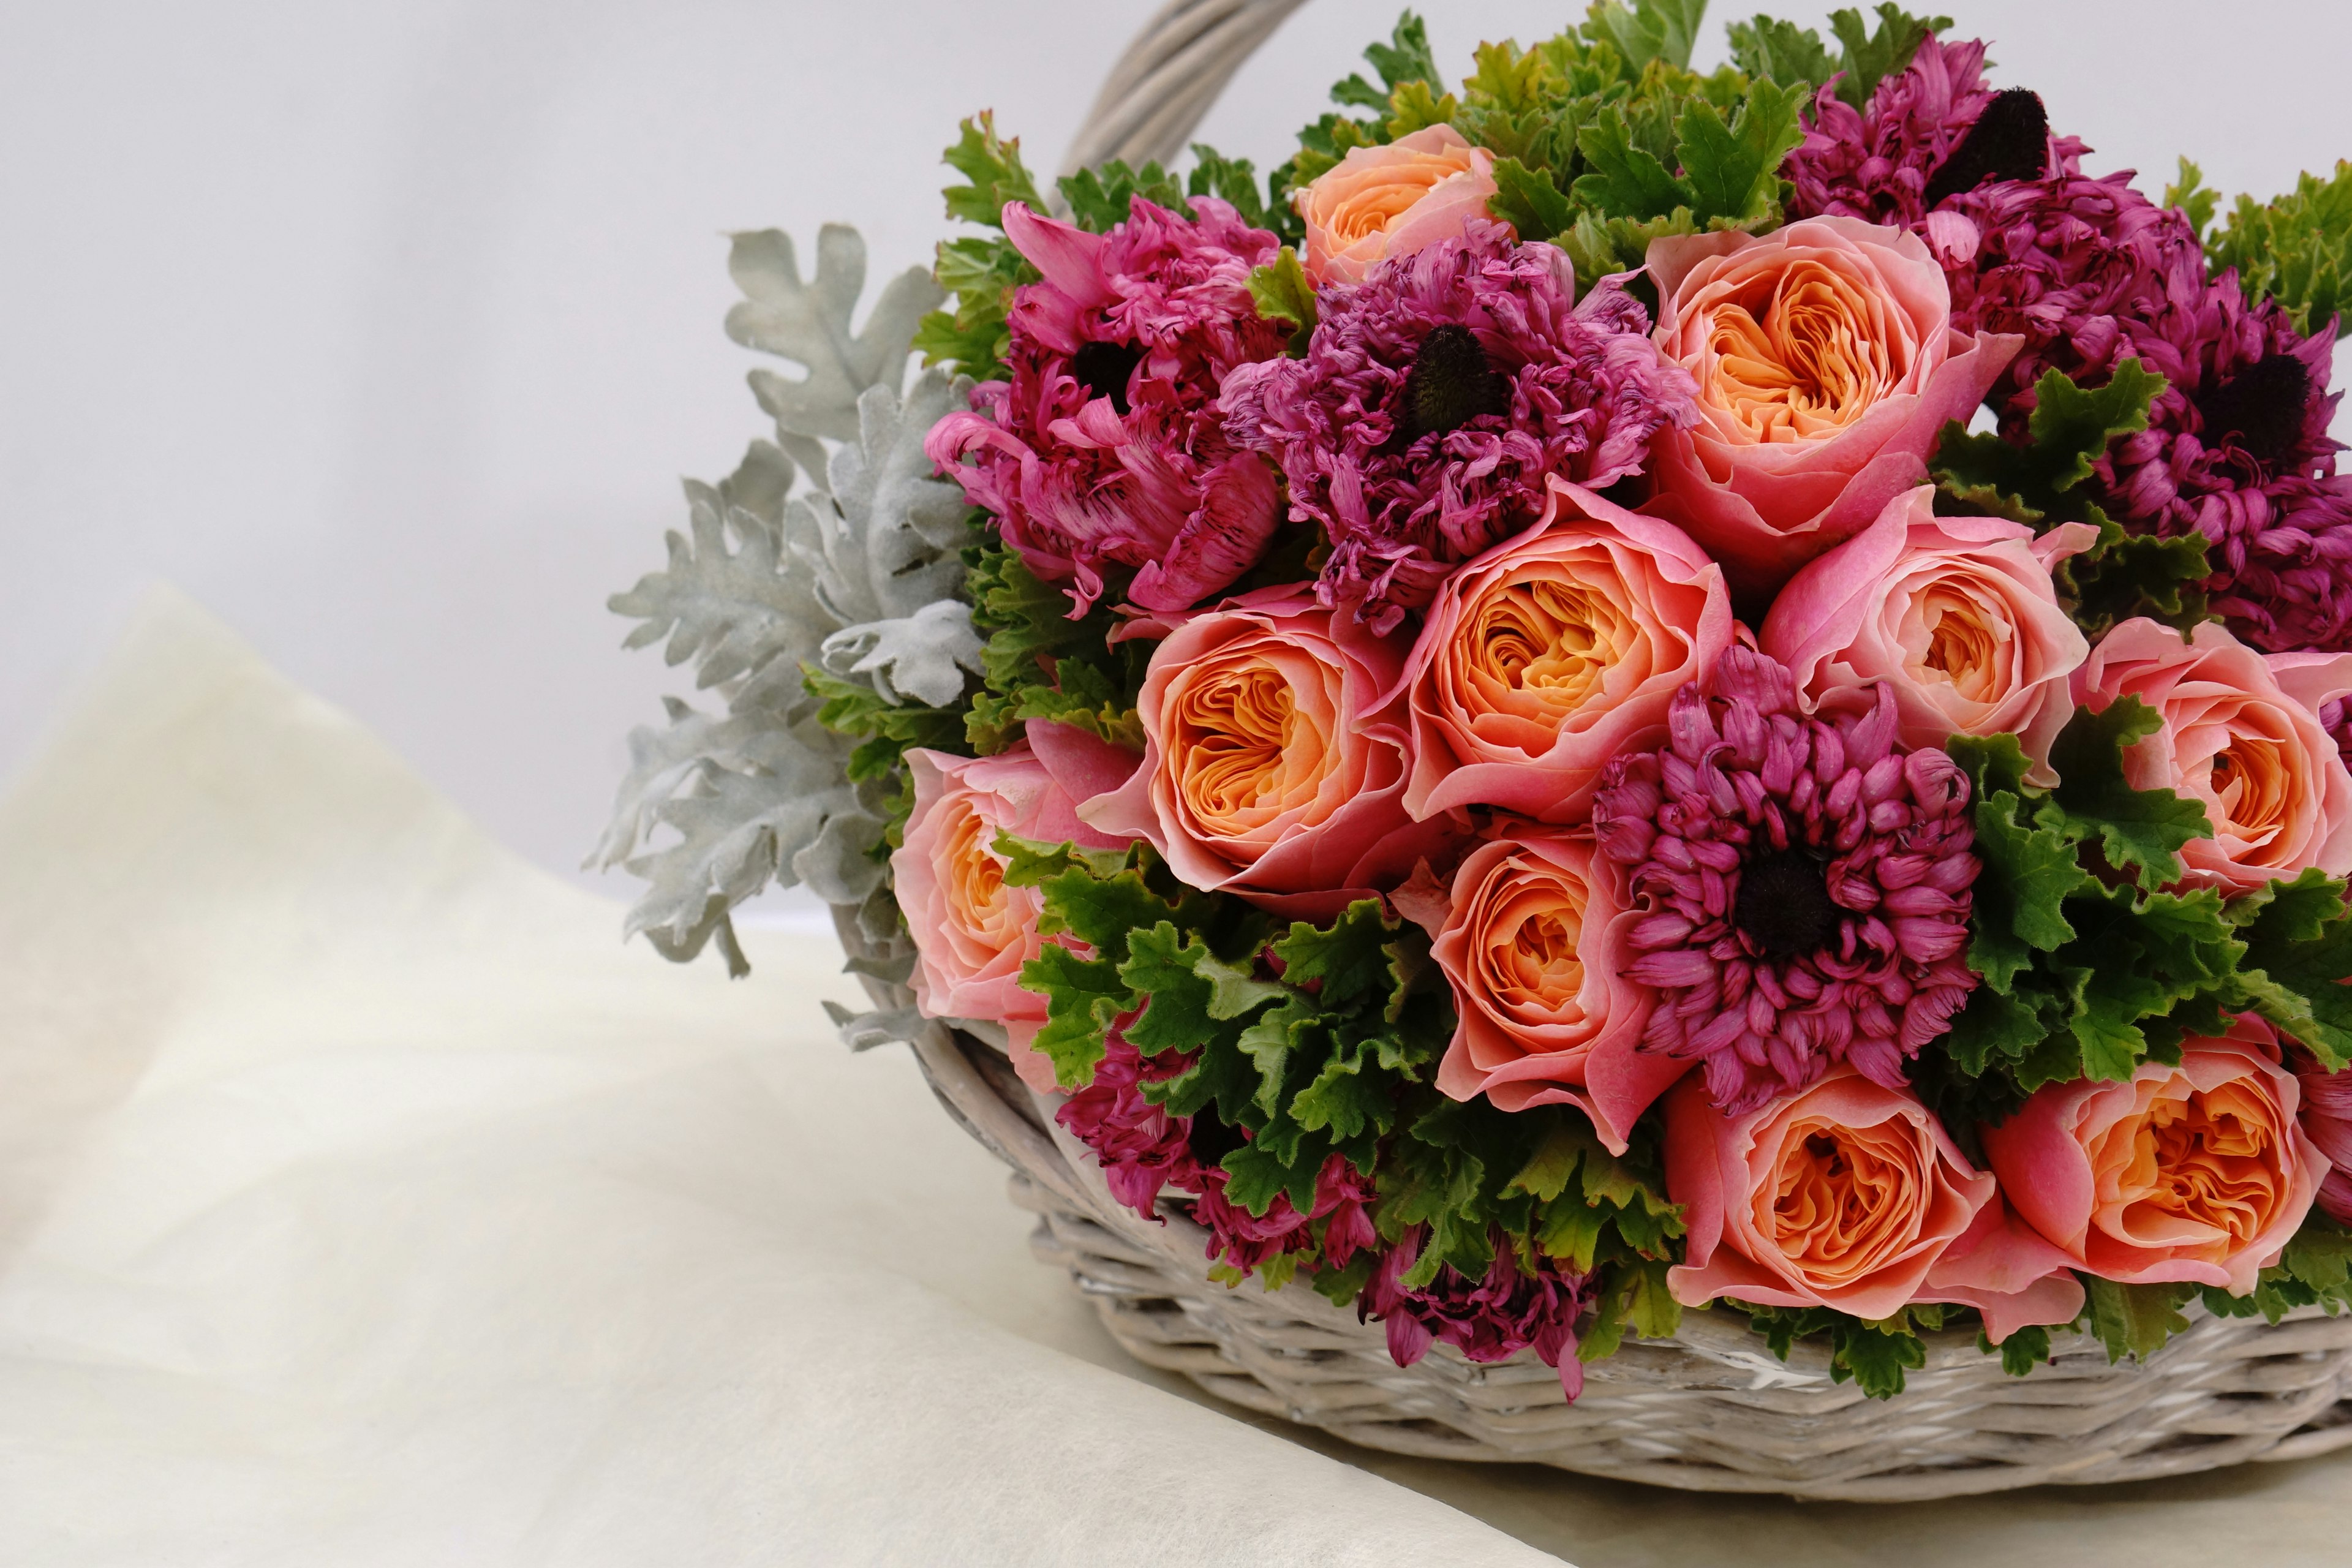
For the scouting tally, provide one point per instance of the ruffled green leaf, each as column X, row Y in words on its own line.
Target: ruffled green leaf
column 1870, row 57
column 2296, row 250
column 992, row 174
column 2134, row 1319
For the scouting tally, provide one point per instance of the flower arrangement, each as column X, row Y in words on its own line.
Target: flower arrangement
column 1620, row 692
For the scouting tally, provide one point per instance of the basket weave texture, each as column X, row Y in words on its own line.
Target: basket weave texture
column 1708, row 1409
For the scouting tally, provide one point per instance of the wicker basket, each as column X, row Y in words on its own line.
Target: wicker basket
column 1708, row 1409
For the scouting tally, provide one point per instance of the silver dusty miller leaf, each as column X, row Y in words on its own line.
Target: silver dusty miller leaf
column 922, row 656
column 809, row 323
column 888, row 538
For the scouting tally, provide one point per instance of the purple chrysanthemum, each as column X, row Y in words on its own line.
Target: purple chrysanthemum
column 1806, row 882
column 1438, row 395
column 2091, row 272
column 1106, row 450
column 1880, row 163
column 1142, row 1149
column 1487, row 1319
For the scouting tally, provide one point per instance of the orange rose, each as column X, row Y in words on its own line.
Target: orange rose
column 1827, row 367
column 1554, row 651
column 1850, row 1194
column 1531, row 943
column 1274, row 757
column 2196, row 1173
column 1382, row 202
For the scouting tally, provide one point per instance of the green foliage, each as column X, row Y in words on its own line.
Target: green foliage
column 992, row 174
column 1873, row 1356
column 2087, row 968
column 1603, row 137
column 1235, row 180
column 979, row 271
column 1796, row 55
column 2298, row 957
column 1039, row 663
column 1282, row 294
column 2040, row 481
column 2295, row 248
column 884, row 732
column 1099, row 197
column 2132, row 1319
column 2024, row 1350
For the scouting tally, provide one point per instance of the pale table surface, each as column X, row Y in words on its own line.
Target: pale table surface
column 362, row 1200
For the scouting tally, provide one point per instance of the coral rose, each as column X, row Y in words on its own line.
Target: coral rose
column 1554, row 651
column 1532, row 943
column 1274, row 757
column 2242, row 737
column 972, row 932
column 1393, row 201
column 1850, row 1194
column 1957, row 615
column 1827, row 366
column 2195, row 1174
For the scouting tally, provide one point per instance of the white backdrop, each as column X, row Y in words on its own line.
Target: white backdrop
column 385, row 328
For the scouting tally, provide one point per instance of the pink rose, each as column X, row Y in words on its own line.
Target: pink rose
column 1827, row 365
column 1957, row 615
column 1381, row 202
column 972, row 933
column 1532, row 943
column 2241, row 736
column 1274, row 758
column 1850, row 1194
column 2194, row 1174
column 1554, row 651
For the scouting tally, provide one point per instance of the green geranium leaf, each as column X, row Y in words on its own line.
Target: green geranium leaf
column 1787, row 53
column 1101, row 196
column 1628, row 180
column 1282, row 294
column 1733, row 170
column 1876, row 1360
column 2140, row 831
column 2134, row 1319
column 2024, row 1350
column 1348, row 959
column 2298, row 961
column 1528, row 200
column 1647, row 29
column 2295, row 248
column 992, row 174
column 1870, row 57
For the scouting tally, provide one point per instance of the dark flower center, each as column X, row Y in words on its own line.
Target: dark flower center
column 1104, row 369
column 2263, row 405
column 1783, row 904
column 2009, row 140
column 1450, row 384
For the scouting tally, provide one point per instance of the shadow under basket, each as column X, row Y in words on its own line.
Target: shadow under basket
column 1709, row 1409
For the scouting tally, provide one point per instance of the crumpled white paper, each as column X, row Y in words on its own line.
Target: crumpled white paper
column 363, row 1200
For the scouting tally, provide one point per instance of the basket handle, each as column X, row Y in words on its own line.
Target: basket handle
column 1168, row 77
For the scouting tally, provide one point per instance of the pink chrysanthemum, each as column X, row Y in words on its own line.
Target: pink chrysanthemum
column 1487, row 1319
column 1435, row 398
column 1105, row 450
column 1807, row 883
column 1142, row 1149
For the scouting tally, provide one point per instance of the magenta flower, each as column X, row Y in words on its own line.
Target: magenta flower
column 1929, row 131
column 2327, row 1120
column 1105, row 450
column 1487, row 1319
column 1142, row 1149
column 1435, row 398
column 1808, row 882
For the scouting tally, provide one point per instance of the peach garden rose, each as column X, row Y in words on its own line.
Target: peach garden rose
column 2242, row 737
column 1957, row 615
column 1827, row 366
column 1274, row 757
column 972, row 932
column 1850, row 1194
column 1530, row 941
column 1552, row 652
column 1394, row 200
column 2196, row 1173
